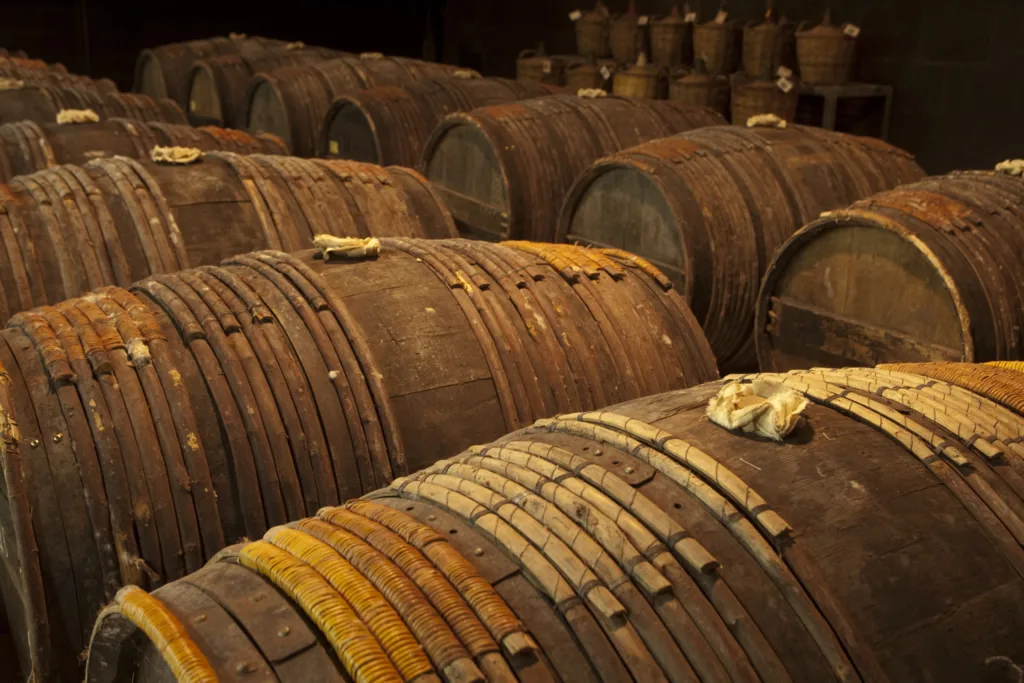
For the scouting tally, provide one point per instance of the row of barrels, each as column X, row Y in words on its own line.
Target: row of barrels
column 27, row 147
column 391, row 124
column 16, row 70
column 778, row 179
column 711, row 207
column 640, row 543
column 42, row 103
column 163, row 71
column 68, row 229
column 292, row 101
column 157, row 424
column 504, row 170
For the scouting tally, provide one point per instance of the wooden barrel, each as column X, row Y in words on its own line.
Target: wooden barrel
column 711, row 207
column 163, row 71
column 217, row 85
column 292, row 102
column 38, row 72
column 41, row 103
column 927, row 271
column 236, row 398
column 391, row 124
column 638, row 543
column 69, row 229
column 27, row 147
column 504, row 170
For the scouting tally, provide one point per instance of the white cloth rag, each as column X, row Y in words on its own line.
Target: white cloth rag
column 760, row 407
column 346, row 247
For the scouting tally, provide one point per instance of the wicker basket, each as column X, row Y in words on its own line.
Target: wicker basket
column 767, row 46
column 701, row 89
column 750, row 98
column 719, row 45
column 825, row 54
column 672, row 40
column 626, row 36
column 592, row 32
column 589, row 75
column 642, row 80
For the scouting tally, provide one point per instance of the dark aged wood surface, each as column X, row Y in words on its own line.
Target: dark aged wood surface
column 927, row 271
column 211, row 404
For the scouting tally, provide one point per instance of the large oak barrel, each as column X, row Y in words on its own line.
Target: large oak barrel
column 217, row 85
column 69, row 229
column 504, row 170
column 711, row 207
column 27, row 147
column 928, row 271
column 637, row 543
column 390, row 125
column 41, row 103
column 163, row 71
column 291, row 102
column 209, row 405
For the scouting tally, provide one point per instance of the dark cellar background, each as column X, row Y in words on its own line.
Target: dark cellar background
column 954, row 64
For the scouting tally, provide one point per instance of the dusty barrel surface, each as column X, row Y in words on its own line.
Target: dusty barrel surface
column 41, row 103
column 927, row 271
column 391, row 124
column 217, row 85
column 504, row 170
column 636, row 543
column 712, row 206
column 163, row 71
column 160, row 424
column 291, row 102
column 69, row 229
column 27, row 147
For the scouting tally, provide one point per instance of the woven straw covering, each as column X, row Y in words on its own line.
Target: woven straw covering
column 994, row 381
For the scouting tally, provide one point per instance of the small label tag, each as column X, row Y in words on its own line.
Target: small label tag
column 784, row 84
column 606, row 73
column 192, row 106
column 851, row 30
column 642, row 20
column 721, row 16
column 546, row 66
column 575, row 15
column 690, row 17
column 333, row 146
column 783, row 72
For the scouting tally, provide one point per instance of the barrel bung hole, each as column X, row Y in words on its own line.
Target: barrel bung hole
column 677, row 506
column 616, row 461
column 453, row 531
column 409, row 508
